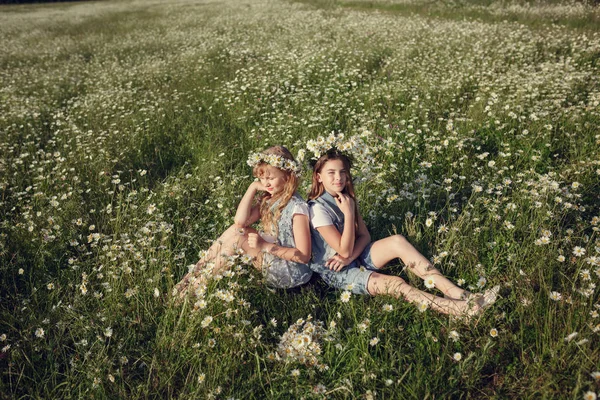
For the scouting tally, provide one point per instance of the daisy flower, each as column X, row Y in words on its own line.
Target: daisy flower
column 345, row 297
column 429, row 283
column 589, row 395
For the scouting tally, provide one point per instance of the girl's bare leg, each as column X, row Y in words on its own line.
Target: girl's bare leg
column 396, row 246
column 215, row 258
column 380, row 284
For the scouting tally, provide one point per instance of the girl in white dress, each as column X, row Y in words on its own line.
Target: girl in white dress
column 283, row 249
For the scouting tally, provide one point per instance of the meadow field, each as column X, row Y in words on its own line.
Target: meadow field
column 124, row 132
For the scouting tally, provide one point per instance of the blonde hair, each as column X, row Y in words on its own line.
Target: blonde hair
column 268, row 215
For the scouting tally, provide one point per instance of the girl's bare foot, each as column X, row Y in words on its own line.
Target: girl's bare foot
column 486, row 298
column 478, row 302
column 190, row 282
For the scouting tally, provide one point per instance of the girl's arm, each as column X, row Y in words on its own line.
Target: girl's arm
column 247, row 213
column 300, row 254
column 345, row 242
column 363, row 238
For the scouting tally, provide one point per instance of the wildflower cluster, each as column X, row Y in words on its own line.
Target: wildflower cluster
column 301, row 342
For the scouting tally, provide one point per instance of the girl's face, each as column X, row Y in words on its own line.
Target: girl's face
column 273, row 179
column 333, row 176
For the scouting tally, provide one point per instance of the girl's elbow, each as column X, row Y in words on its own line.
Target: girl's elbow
column 302, row 256
column 305, row 259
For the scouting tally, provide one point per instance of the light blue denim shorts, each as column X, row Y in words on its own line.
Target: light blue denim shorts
column 353, row 277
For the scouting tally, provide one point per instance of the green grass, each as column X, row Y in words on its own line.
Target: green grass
column 124, row 132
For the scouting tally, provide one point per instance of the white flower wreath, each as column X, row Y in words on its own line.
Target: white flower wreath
column 274, row 160
column 355, row 146
column 361, row 147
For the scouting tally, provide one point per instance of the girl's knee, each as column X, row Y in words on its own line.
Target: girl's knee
column 399, row 240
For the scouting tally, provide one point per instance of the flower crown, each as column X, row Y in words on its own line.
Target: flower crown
column 274, row 160
column 354, row 146
column 361, row 148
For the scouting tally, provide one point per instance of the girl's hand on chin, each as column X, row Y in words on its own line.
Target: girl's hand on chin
column 345, row 203
column 259, row 186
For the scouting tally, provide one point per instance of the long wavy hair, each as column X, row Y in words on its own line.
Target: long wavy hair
column 268, row 214
column 317, row 188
